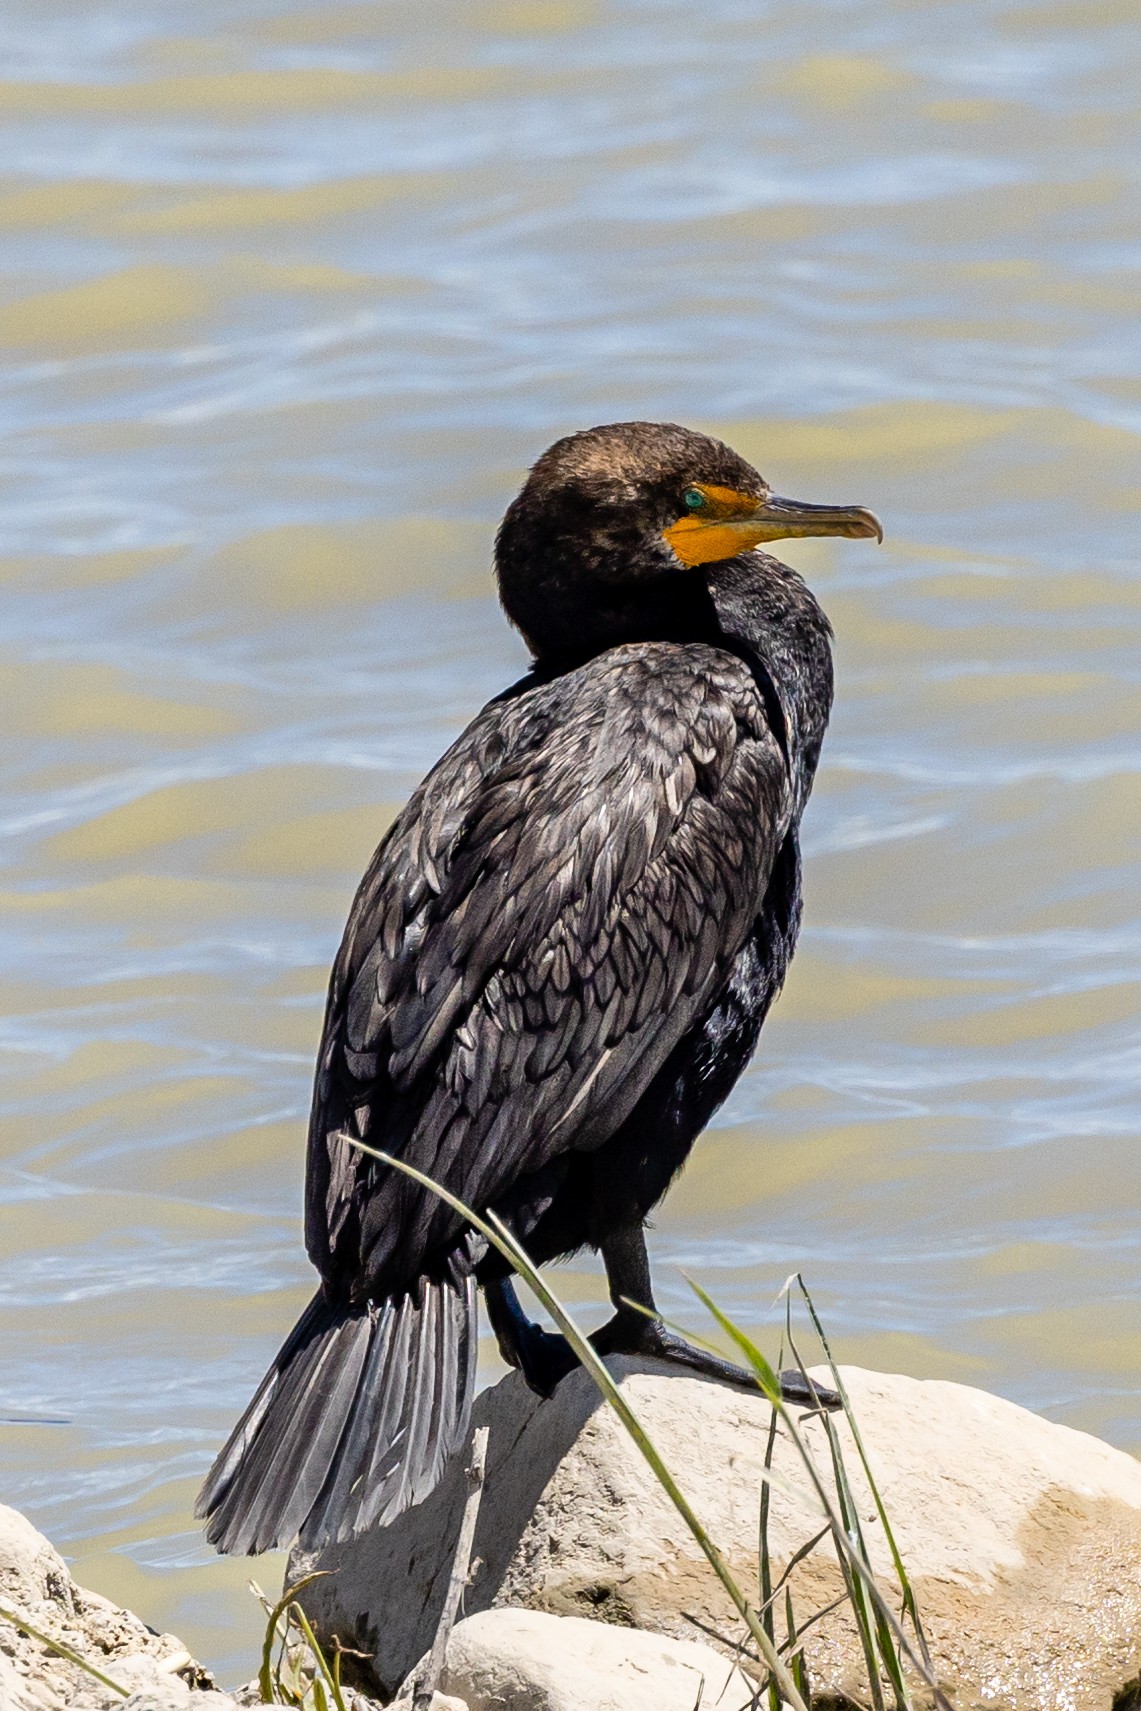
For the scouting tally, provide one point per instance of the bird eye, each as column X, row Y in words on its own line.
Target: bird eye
column 694, row 499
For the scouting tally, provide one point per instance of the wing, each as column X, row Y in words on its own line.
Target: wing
column 555, row 907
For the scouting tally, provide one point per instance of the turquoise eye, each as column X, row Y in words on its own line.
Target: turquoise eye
column 693, row 499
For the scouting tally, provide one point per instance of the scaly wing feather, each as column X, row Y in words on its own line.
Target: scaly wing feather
column 557, row 905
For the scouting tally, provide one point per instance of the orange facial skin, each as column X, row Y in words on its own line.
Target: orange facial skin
column 730, row 522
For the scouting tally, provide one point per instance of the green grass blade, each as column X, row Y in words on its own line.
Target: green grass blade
column 885, row 1644
column 265, row 1669
column 768, row 1380
column 764, row 1561
column 798, row 1556
column 879, row 1632
column 818, row 1616
column 319, row 1658
column 852, row 1564
column 921, row 1664
column 795, row 1642
column 909, row 1602
column 275, row 1613
column 501, row 1238
column 863, row 1606
column 846, row 1552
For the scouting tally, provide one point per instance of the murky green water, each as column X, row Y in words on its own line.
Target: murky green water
column 286, row 306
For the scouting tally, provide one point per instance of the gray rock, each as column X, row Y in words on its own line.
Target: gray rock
column 35, row 1585
column 1023, row 1538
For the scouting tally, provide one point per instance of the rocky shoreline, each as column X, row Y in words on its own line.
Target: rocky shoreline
column 1022, row 1539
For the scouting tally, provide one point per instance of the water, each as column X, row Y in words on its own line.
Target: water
column 286, row 307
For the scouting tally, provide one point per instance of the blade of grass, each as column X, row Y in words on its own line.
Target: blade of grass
column 909, row 1602
column 816, row 1616
column 862, row 1591
column 275, row 1613
column 501, row 1238
column 884, row 1641
column 737, row 1647
column 798, row 1557
column 319, row 1658
column 796, row 1648
column 764, row 1561
column 846, row 1550
column 881, row 1653
column 863, row 1608
column 63, row 1650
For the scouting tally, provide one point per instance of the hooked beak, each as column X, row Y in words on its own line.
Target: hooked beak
column 782, row 519
column 704, row 540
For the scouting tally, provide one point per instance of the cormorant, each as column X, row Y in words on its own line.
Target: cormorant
column 555, row 967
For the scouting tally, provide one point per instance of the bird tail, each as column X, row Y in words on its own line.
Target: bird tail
column 351, row 1425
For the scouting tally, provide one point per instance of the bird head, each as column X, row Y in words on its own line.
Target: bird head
column 616, row 529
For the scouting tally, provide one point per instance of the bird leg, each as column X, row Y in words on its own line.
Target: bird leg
column 544, row 1357
column 631, row 1332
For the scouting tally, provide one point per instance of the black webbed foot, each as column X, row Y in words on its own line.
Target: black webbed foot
column 544, row 1358
column 633, row 1334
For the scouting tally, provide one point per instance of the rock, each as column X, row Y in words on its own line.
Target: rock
column 525, row 1660
column 440, row 1701
column 250, row 1694
column 1022, row 1538
column 36, row 1586
column 176, row 1698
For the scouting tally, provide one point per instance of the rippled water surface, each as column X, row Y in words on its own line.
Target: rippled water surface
column 288, row 299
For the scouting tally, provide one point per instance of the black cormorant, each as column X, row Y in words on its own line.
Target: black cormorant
column 554, row 970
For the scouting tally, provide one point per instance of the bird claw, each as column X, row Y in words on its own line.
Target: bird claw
column 807, row 1393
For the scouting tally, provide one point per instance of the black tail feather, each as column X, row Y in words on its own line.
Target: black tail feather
column 352, row 1424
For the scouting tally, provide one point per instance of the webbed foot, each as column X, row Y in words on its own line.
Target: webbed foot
column 631, row 1333
column 544, row 1358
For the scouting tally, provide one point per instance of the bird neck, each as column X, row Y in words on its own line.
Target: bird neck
column 675, row 608
column 753, row 607
column 772, row 621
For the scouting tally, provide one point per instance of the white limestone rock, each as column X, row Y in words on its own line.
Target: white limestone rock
column 440, row 1701
column 176, row 1697
column 526, row 1660
column 35, row 1585
column 1022, row 1538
